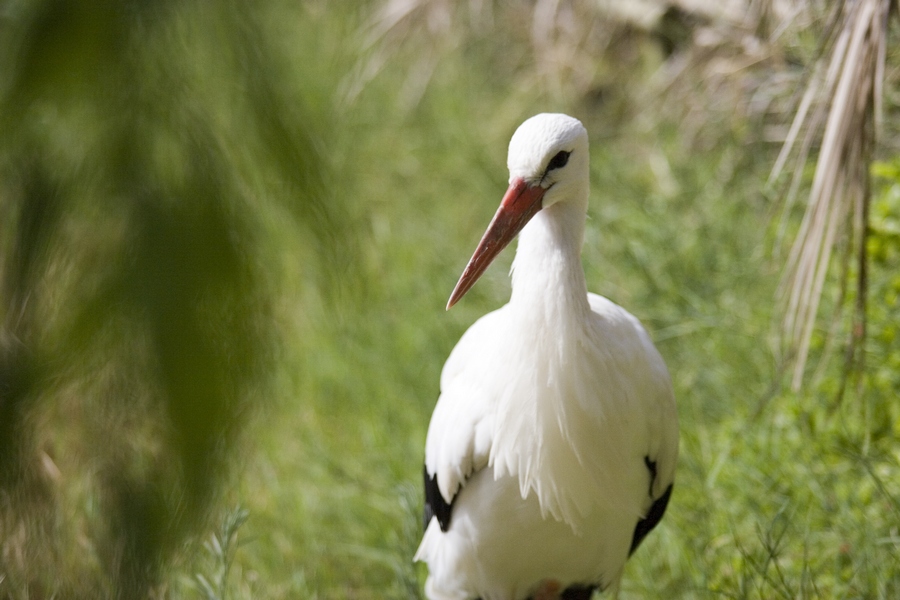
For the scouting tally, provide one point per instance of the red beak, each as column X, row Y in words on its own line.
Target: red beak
column 520, row 203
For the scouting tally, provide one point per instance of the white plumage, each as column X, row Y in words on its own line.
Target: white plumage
column 552, row 448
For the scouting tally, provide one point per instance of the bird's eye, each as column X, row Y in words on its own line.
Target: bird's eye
column 559, row 161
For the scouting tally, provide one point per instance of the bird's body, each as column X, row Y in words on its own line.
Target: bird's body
column 552, row 448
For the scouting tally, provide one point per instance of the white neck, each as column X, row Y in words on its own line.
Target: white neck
column 548, row 279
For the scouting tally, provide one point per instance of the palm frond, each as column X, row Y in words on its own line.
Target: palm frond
column 841, row 104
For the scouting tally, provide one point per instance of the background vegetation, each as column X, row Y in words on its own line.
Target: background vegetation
column 229, row 229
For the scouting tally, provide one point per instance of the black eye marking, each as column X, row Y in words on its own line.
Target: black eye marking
column 558, row 161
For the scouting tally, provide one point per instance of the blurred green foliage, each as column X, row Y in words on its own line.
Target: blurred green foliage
column 147, row 149
column 883, row 315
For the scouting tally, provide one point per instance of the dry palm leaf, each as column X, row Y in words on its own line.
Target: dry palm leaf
column 844, row 92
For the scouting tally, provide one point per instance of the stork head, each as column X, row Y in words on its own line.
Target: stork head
column 548, row 164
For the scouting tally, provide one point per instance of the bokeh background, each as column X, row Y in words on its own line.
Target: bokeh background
column 228, row 231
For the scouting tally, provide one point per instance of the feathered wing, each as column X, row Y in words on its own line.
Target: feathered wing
column 461, row 428
column 435, row 504
column 662, row 425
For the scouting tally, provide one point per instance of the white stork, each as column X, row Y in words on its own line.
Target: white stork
column 551, row 452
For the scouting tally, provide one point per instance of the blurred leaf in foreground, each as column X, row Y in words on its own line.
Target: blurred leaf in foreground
column 146, row 148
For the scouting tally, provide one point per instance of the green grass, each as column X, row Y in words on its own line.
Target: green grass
column 778, row 495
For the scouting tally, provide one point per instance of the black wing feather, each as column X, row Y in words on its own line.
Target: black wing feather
column 578, row 592
column 435, row 505
column 654, row 515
